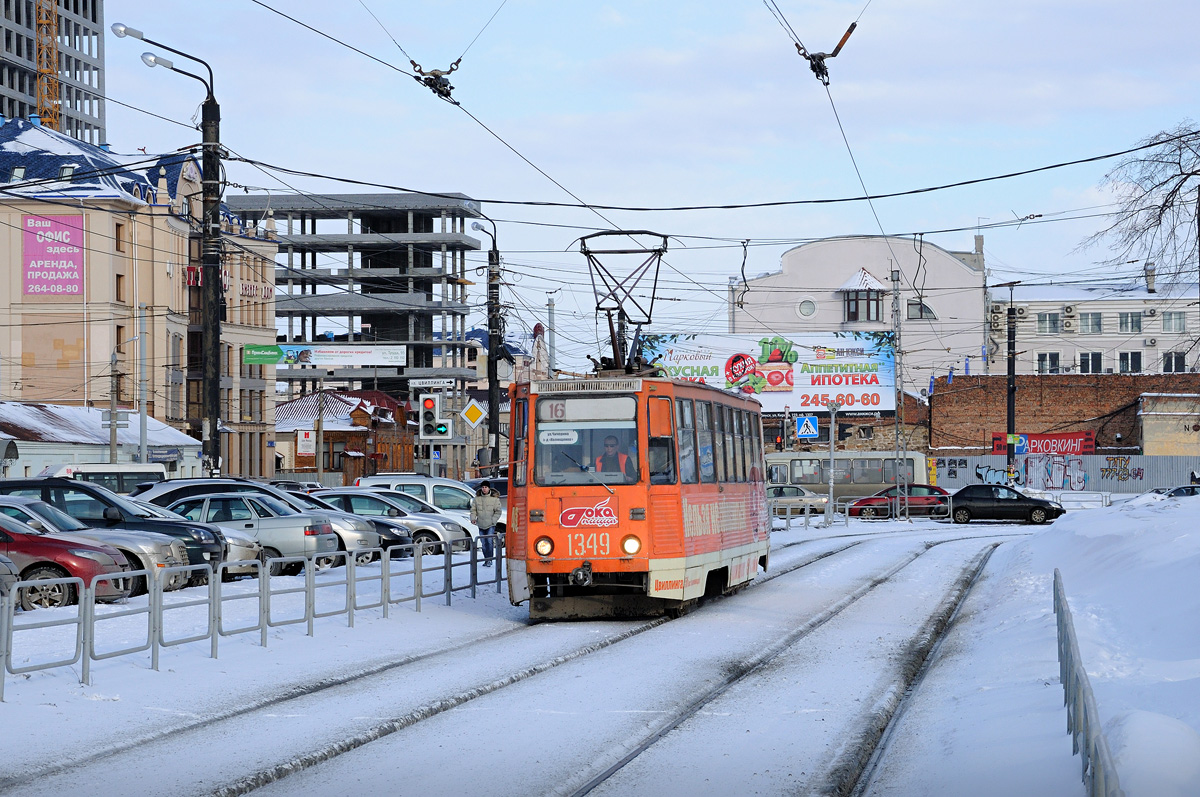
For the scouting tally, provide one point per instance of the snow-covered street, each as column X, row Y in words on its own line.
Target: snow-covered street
column 470, row 698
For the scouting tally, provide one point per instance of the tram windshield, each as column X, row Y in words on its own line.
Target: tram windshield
column 586, row 440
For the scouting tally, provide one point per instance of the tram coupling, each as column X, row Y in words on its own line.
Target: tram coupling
column 582, row 575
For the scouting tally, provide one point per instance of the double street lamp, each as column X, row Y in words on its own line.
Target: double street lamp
column 210, row 249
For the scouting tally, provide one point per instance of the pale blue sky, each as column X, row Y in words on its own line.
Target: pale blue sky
column 653, row 104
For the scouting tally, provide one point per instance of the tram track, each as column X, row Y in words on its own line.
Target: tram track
column 853, row 761
column 289, row 700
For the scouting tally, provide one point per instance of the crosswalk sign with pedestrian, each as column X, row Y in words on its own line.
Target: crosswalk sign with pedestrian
column 806, row 426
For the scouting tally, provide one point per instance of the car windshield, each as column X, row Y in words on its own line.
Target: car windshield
column 56, row 517
column 406, row 501
column 127, row 505
column 274, row 504
column 312, row 502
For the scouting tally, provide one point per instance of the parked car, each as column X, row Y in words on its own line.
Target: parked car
column 424, row 528
column 100, row 508
column 354, row 533
column 239, row 547
column 1182, row 491
column 788, row 500
column 448, row 495
column 9, row 575
column 42, row 557
column 996, row 502
column 391, row 532
column 293, row 485
column 923, row 499
column 143, row 550
column 277, row 527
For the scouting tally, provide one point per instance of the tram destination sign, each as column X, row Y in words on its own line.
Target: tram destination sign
column 802, row 372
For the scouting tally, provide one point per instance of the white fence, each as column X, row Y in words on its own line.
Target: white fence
column 402, row 574
column 1083, row 718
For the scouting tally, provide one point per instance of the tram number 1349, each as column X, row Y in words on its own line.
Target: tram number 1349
column 587, row 544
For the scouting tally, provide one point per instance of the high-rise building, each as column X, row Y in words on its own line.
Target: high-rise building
column 79, row 42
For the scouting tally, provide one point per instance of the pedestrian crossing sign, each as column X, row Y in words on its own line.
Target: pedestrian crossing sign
column 806, row 426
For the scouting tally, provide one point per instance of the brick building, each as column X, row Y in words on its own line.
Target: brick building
column 1130, row 414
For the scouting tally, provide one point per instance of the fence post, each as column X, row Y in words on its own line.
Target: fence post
column 89, row 637
column 474, row 565
column 214, row 608
column 385, row 568
column 500, row 560
column 448, row 568
column 310, row 592
column 351, row 592
column 418, row 573
column 6, row 611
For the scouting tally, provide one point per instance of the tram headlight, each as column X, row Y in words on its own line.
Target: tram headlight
column 544, row 546
column 631, row 545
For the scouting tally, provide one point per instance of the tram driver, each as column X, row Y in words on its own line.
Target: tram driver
column 613, row 460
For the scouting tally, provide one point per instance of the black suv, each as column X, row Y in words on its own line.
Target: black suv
column 101, row 508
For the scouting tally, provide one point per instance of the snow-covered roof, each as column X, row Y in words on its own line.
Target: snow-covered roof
column 861, row 281
column 334, row 410
column 58, row 423
column 1095, row 292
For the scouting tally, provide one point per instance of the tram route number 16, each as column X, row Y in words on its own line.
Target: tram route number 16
column 587, row 544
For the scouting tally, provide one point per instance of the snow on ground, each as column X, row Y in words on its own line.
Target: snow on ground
column 992, row 701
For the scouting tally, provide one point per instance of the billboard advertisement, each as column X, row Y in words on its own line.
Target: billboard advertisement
column 52, row 255
column 1059, row 443
column 803, row 372
column 331, row 355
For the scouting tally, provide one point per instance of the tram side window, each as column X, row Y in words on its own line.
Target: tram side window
column 889, row 471
column 755, row 466
column 660, row 453
column 731, row 471
column 520, row 441
column 687, row 441
column 777, row 474
column 704, row 441
column 806, row 471
column 744, row 421
column 718, row 427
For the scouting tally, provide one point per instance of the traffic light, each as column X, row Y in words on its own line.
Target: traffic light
column 432, row 425
column 778, row 442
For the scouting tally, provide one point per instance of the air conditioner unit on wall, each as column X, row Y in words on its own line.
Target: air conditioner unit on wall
column 997, row 309
column 1068, row 309
column 1022, row 312
column 1068, row 325
column 997, row 326
column 1151, row 341
column 1152, row 311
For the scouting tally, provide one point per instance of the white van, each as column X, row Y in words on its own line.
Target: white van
column 452, row 497
column 120, row 477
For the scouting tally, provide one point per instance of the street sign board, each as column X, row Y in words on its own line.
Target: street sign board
column 306, row 442
column 431, row 383
column 806, row 426
column 473, row 413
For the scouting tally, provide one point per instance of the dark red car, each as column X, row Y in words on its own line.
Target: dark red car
column 42, row 557
column 923, row 499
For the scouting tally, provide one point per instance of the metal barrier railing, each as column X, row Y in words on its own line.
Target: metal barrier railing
column 396, row 582
column 1083, row 718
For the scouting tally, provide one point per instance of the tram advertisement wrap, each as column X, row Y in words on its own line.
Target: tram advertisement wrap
column 52, row 255
column 802, row 372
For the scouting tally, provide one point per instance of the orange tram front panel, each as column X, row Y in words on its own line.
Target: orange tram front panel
column 632, row 496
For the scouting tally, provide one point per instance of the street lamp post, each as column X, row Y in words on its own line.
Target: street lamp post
column 494, row 344
column 1011, row 426
column 210, row 249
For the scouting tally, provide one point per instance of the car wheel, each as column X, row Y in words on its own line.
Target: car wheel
column 277, row 568
column 873, row 512
column 321, row 563
column 425, row 537
column 137, row 584
column 962, row 516
column 1037, row 516
column 46, row 596
column 364, row 558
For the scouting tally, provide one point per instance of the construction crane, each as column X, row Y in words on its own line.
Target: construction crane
column 49, row 91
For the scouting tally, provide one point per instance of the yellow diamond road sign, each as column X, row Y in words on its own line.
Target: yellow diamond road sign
column 473, row 413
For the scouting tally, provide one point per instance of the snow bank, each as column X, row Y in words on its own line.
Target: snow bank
column 1130, row 572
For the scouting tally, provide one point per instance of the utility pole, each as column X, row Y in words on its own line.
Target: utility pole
column 900, row 473
column 1011, row 426
column 143, row 447
column 114, row 386
column 495, row 341
column 550, row 368
column 210, row 249
column 320, row 429
column 833, row 408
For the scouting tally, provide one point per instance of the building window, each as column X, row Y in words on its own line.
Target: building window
column 119, row 289
column 119, row 236
column 1047, row 362
column 1131, row 361
column 863, row 306
column 917, row 309
column 18, row 173
column 1091, row 362
column 1174, row 362
column 806, row 309
column 120, row 347
column 1048, row 324
column 1130, row 322
column 1174, row 321
column 65, row 172
column 1089, row 324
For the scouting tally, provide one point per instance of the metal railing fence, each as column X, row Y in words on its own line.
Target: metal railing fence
column 400, row 574
column 1083, row 718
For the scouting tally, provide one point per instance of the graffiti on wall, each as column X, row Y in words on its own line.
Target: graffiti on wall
column 1117, row 469
column 989, row 475
column 1054, row 472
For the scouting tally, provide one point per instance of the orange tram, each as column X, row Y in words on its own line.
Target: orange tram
column 632, row 496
